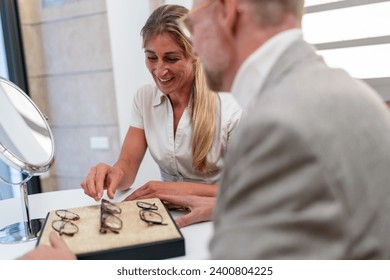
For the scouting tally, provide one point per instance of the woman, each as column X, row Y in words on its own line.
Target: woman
column 185, row 126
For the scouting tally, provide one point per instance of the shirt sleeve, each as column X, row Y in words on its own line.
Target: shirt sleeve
column 137, row 119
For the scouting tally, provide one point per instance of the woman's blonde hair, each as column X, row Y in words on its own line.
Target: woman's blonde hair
column 203, row 101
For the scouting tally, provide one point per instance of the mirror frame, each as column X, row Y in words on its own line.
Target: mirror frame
column 12, row 160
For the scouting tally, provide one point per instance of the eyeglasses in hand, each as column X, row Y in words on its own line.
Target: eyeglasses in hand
column 108, row 220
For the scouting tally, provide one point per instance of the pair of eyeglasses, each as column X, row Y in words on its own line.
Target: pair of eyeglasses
column 108, row 219
column 148, row 213
column 65, row 225
column 185, row 23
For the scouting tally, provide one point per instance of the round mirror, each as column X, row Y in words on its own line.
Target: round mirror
column 26, row 144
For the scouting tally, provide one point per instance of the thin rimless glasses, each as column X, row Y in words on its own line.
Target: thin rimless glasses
column 185, row 23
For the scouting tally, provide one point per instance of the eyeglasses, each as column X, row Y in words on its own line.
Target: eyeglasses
column 108, row 220
column 185, row 23
column 66, row 225
column 148, row 213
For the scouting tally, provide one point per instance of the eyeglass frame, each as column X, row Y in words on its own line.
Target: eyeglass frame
column 76, row 218
column 150, row 206
column 184, row 22
column 106, row 212
column 149, row 209
column 64, row 221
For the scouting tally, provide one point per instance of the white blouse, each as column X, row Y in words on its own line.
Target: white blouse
column 152, row 112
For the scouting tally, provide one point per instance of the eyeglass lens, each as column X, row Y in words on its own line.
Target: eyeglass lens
column 67, row 215
column 147, row 205
column 65, row 227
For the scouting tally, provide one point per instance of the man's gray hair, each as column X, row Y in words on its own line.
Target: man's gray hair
column 271, row 12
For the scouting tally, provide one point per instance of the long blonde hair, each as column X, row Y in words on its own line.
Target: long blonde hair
column 203, row 101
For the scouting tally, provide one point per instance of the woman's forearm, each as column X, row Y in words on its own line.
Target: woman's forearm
column 199, row 189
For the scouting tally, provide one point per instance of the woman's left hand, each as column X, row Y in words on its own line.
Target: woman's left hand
column 156, row 188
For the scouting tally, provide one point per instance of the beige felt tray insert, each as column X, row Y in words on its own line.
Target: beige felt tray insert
column 134, row 230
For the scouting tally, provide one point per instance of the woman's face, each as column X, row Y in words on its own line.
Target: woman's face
column 170, row 69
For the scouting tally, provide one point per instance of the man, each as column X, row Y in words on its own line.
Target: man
column 307, row 173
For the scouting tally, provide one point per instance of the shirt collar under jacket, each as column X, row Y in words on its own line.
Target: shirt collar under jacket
column 252, row 74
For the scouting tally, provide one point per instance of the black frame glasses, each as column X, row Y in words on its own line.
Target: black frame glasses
column 149, row 215
column 108, row 219
column 65, row 225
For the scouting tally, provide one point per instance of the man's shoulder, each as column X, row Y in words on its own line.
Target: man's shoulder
column 229, row 103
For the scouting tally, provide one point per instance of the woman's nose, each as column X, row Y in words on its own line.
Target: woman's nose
column 161, row 69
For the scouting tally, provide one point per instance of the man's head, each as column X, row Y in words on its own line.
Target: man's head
column 226, row 32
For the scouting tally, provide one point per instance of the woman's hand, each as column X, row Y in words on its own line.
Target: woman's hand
column 101, row 177
column 57, row 250
column 156, row 188
column 201, row 208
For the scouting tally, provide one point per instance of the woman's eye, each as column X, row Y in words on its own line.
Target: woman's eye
column 172, row 59
column 152, row 58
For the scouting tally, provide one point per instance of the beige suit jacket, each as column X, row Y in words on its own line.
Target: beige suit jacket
column 307, row 175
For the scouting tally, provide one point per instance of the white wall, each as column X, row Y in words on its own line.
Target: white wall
column 125, row 19
column 185, row 3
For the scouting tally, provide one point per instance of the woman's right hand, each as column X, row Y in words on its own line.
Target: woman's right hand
column 101, row 177
column 200, row 208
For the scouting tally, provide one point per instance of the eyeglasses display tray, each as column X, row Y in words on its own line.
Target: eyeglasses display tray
column 126, row 230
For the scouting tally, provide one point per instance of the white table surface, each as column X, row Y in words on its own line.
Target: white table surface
column 196, row 236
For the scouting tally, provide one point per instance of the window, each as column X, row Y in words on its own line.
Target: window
column 3, row 57
column 5, row 190
column 12, row 68
column 354, row 35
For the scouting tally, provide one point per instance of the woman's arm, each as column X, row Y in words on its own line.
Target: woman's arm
column 121, row 175
column 131, row 155
column 157, row 188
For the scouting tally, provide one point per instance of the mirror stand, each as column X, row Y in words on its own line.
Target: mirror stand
column 27, row 230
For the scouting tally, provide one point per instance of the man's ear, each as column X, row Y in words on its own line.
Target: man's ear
column 228, row 14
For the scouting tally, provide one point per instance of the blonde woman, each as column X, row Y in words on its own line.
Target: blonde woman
column 185, row 126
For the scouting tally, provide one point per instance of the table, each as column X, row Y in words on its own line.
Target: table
column 196, row 236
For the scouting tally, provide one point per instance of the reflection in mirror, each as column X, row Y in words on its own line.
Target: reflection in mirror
column 23, row 131
column 26, row 144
